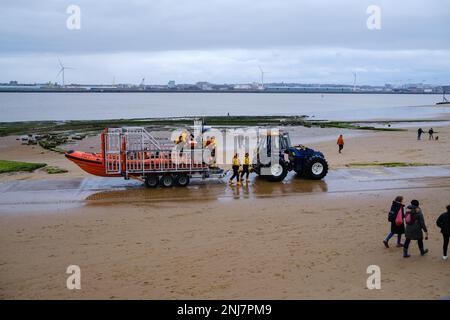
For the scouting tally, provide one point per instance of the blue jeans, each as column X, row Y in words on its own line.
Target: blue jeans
column 391, row 234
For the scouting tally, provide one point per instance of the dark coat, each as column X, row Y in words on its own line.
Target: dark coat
column 443, row 222
column 414, row 231
column 393, row 215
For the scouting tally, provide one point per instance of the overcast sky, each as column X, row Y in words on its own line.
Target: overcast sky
column 224, row 41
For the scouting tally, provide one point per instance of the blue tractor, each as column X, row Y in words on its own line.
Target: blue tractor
column 304, row 161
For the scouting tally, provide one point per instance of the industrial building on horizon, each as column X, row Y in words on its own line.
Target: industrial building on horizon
column 203, row 86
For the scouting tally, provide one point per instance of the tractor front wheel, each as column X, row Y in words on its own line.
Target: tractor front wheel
column 277, row 173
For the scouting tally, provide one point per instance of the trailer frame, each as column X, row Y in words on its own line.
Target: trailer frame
column 134, row 152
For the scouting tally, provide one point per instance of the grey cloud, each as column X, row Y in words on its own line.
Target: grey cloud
column 225, row 40
column 114, row 26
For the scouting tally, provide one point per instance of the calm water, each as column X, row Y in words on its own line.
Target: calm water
column 82, row 106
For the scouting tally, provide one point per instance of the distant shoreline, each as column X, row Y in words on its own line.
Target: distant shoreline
column 86, row 126
column 214, row 91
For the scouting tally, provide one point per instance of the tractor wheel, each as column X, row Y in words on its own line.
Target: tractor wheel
column 151, row 181
column 167, row 181
column 182, row 180
column 278, row 173
column 315, row 168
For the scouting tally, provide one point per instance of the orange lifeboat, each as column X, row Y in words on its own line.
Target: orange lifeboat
column 93, row 163
column 132, row 162
column 90, row 162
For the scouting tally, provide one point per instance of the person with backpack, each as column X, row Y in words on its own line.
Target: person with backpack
column 443, row 222
column 415, row 223
column 396, row 217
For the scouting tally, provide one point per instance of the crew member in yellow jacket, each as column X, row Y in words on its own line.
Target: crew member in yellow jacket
column 236, row 165
column 245, row 167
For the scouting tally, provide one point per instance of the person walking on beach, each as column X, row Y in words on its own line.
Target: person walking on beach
column 236, row 165
column 430, row 134
column 419, row 133
column 443, row 222
column 415, row 223
column 340, row 142
column 245, row 168
column 396, row 217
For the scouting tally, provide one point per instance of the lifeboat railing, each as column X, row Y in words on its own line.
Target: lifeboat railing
column 134, row 151
column 161, row 161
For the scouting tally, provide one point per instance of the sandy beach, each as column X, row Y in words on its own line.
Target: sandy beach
column 299, row 244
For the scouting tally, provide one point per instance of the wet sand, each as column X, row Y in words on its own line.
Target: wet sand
column 313, row 245
column 297, row 240
column 36, row 196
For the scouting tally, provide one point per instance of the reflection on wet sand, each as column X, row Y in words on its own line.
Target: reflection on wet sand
column 51, row 195
column 211, row 190
column 338, row 181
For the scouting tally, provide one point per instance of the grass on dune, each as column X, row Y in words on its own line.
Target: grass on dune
column 15, row 166
column 54, row 170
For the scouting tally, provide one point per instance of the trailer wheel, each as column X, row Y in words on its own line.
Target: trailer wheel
column 278, row 173
column 316, row 168
column 182, row 180
column 151, row 181
column 167, row 181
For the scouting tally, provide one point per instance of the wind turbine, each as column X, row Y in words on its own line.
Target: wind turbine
column 262, row 77
column 61, row 71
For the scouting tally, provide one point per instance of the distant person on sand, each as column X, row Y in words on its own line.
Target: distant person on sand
column 396, row 217
column 419, row 133
column 430, row 133
column 443, row 222
column 415, row 223
column 340, row 143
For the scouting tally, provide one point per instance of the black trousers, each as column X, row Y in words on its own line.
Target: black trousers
column 445, row 246
column 245, row 171
column 341, row 146
column 235, row 173
column 408, row 241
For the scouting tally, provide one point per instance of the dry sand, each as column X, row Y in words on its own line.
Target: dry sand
column 390, row 146
column 291, row 247
column 298, row 247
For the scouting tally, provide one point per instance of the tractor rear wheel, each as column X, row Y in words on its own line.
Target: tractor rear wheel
column 315, row 168
column 151, row 181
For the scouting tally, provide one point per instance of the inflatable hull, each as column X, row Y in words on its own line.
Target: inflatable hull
column 90, row 162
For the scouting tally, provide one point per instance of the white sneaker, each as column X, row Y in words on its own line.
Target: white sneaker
column 445, row 258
